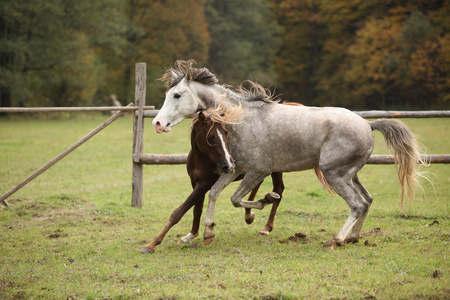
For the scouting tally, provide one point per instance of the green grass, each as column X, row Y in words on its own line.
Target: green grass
column 72, row 234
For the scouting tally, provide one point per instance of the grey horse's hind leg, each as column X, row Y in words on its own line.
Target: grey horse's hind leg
column 250, row 181
column 356, row 231
column 359, row 206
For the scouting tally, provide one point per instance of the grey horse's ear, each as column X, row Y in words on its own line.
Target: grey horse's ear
column 173, row 75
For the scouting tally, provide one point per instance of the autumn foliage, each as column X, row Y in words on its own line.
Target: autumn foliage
column 371, row 54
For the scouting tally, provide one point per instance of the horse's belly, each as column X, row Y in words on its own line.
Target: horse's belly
column 288, row 162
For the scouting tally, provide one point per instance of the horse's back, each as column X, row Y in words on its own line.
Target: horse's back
column 293, row 138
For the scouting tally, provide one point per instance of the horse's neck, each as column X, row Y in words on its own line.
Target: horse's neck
column 197, row 157
column 213, row 96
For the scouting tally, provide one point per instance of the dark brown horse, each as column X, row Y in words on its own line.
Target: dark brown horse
column 207, row 159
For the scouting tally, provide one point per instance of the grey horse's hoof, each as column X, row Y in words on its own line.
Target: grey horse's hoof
column 333, row 243
column 146, row 250
column 270, row 198
column 273, row 197
column 352, row 240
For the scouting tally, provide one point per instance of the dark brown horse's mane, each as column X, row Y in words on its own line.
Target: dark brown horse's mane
column 186, row 69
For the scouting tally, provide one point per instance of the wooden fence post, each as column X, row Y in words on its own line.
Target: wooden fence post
column 138, row 136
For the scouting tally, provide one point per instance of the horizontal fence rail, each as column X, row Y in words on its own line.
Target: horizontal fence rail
column 71, row 109
column 404, row 114
column 180, row 159
column 369, row 114
column 151, row 112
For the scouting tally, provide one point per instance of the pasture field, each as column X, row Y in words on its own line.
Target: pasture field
column 72, row 234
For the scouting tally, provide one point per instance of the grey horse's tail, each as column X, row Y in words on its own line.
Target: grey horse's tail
column 406, row 153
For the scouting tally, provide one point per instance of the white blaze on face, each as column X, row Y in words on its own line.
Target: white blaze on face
column 227, row 154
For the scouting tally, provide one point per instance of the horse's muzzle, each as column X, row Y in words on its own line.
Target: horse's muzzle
column 160, row 128
column 228, row 168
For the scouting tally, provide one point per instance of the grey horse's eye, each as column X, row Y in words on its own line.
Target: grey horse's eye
column 177, row 96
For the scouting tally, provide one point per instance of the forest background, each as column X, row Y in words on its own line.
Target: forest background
column 360, row 54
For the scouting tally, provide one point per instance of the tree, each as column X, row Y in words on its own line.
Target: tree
column 427, row 61
column 297, row 58
column 373, row 67
column 50, row 49
column 244, row 39
column 364, row 53
column 166, row 30
column 398, row 61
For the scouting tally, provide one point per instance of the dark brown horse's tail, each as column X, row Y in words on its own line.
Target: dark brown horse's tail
column 406, row 153
column 323, row 182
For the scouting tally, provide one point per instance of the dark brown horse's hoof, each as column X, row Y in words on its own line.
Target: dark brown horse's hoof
column 146, row 250
column 208, row 240
column 249, row 218
column 264, row 232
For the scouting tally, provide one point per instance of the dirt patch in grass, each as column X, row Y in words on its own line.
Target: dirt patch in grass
column 78, row 212
column 298, row 237
column 31, row 213
column 436, row 274
column 374, row 232
column 56, row 234
column 414, row 217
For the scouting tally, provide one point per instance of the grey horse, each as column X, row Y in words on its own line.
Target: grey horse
column 279, row 138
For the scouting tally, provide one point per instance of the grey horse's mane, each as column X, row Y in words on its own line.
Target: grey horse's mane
column 256, row 92
column 186, row 69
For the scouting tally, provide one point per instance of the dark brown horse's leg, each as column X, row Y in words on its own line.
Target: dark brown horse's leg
column 249, row 215
column 278, row 187
column 197, row 194
column 198, row 209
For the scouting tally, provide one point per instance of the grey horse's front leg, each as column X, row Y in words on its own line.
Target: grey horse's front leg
column 250, row 181
column 223, row 181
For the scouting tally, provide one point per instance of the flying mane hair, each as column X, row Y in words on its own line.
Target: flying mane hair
column 223, row 114
column 256, row 92
column 186, row 69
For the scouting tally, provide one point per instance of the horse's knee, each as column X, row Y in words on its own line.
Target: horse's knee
column 174, row 218
column 360, row 207
column 236, row 201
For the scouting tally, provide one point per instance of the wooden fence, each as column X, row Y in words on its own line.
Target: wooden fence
column 142, row 111
column 140, row 159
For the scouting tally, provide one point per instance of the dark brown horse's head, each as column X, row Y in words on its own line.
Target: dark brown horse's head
column 211, row 138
